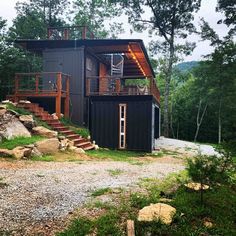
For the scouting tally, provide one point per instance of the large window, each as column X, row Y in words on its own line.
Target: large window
column 122, row 126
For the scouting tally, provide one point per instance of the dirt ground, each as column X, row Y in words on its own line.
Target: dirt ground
column 36, row 198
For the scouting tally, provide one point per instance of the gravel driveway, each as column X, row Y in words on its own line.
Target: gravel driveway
column 43, row 191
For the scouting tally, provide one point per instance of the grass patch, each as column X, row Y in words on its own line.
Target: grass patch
column 100, row 191
column 46, row 158
column 115, row 172
column 115, row 155
column 219, row 208
column 19, row 141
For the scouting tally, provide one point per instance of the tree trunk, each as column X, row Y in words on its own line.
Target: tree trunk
column 171, row 120
column 219, row 121
column 167, row 89
column 199, row 119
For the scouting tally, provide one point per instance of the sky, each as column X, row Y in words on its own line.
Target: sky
column 207, row 11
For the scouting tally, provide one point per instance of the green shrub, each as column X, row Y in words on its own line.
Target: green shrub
column 100, row 191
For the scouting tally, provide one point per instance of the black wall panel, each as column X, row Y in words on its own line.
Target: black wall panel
column 104, row 121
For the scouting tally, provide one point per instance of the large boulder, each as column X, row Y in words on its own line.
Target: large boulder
column 6, row 153
column 40, row 130
column 11, row 127
column 196, row 186
column 48, row 146
column 21, row 152
column 159, row 211
column 28, row 121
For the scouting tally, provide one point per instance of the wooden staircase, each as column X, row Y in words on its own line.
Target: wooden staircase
column 56, row 125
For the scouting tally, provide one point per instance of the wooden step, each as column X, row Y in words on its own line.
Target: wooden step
column 60, row 129
column 67, row 132
column 78, row 140
column 73, row 136
column 88, row 147
column 52, row 121
column 82, row 144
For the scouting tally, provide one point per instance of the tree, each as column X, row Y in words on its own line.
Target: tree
column 94, row 14
column 35, row 16
column 171, row 20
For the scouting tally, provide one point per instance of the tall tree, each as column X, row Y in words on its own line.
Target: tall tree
column 35, row 16
column 95, row 14
column 170, row 20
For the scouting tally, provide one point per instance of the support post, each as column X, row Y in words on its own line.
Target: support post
column 84, row 31
column 58, row 97
column 37, row 83
column 130, row 228
column 66, row 34
column 117, row 86
column 67, row 99
column 16, row 87
column 87, row 86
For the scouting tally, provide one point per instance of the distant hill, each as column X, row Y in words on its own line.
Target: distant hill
column 187, row 66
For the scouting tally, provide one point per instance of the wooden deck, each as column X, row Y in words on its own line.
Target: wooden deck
column 43, row 84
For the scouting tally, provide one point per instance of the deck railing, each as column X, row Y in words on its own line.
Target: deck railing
column 102, row 86
column 70, row 32
column 44, row 84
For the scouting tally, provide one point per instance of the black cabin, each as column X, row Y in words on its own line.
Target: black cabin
column 98, row 88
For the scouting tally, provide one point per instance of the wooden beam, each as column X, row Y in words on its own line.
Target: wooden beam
column 67, row 99
column 58, row 97
column 130, row 228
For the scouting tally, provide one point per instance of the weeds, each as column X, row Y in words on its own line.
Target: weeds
column 115, row 172
column 100, row 191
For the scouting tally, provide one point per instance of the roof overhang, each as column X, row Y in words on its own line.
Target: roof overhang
column 136, row 61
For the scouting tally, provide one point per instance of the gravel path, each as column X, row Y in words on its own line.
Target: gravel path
column 40, row 191
column 185, row 147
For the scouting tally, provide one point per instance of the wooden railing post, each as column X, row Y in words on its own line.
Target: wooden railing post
column 66, row 34
column 16, row 87
column 87, row 87
column 117, row 86
column 37, row 83
column 58, row 97
column 67, row 99
column 84, row 32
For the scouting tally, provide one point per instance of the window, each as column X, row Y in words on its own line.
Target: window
column 122, row 126
column 89, row 64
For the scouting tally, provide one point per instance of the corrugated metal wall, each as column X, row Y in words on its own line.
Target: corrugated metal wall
column 69, row 61
column 104, row 121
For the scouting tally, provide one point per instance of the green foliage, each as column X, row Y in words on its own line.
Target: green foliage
column 95, row 14
column 79, row 227
column 19, row 141
column 100, row 191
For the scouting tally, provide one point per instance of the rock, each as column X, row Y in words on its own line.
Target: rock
column 48, row 146
column 5, row 153
column 72, row 148
column 61, row 137
column 79, row 151
column 6, row 101
column 208, row 223
column 3, row 106
column 165, row 200
column 40, row 130
column 159, row 211
column 2, row 112
column 96, row 147
column 54, row 116
column 64, row 143
column 196, row 186
column 11, row 127
column 21, row 152
column 29, row 146
column 28, row 121
column 35, row 152
column 24, row 101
